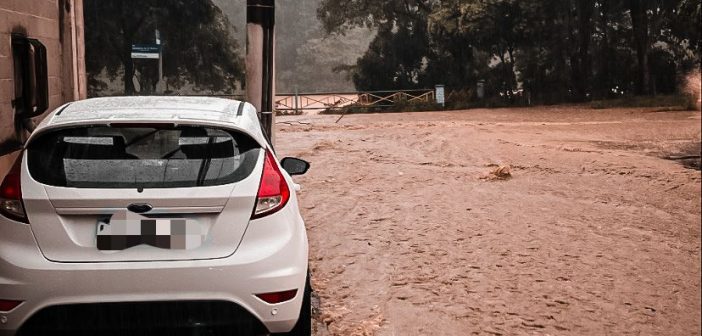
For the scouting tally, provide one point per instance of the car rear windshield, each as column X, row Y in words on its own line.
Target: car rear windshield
column 141, row 157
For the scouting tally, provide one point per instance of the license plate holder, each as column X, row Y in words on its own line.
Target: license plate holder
column 162, row 233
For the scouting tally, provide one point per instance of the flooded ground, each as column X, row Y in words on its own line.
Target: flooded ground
column 589, row 224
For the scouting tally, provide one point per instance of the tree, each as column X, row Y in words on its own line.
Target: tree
column 581, row 60
column 665, row 36
column 338, row 16
column 494, row 26
column 394, row 59
column 639, row 20
column 197, row 45
column 556, row 50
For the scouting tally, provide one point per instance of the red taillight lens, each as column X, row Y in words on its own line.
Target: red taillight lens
column 11, row 195
column 7, row 305
column 278, row 297
column 273, row 193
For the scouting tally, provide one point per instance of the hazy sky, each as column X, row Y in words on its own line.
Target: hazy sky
column 305, row 56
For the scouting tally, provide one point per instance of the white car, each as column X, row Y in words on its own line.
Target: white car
column 152, row 215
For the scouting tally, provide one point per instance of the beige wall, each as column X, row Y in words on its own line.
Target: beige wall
column 58, row 24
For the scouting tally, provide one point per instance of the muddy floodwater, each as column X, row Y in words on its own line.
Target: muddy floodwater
column 539, row 221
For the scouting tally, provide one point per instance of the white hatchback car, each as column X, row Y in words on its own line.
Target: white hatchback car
column 151, row 215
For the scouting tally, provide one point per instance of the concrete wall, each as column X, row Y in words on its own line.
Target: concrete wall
column 58, row 24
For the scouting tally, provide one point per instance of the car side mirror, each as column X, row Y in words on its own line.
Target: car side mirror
column 295, row 166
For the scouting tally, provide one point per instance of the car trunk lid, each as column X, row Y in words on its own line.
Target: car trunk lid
column 69, row 206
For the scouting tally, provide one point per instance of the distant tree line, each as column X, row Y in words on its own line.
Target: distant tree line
column 552, row 50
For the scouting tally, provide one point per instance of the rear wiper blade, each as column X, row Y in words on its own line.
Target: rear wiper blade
column 205, row 165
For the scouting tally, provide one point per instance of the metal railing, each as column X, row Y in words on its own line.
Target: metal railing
column 303, row 102
column 291, row 103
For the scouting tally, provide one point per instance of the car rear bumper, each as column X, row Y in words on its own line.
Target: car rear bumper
column 272, row 257
column 144, row 318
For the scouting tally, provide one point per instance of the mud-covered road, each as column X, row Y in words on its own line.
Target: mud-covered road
column 595, row 233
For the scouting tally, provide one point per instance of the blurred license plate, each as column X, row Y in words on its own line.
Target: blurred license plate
column 175, row 234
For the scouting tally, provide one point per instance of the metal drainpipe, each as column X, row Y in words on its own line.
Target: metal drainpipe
column 260, row 60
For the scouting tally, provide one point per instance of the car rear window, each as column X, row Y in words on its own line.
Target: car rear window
column 141, row 157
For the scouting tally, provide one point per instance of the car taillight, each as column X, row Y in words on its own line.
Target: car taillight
column 278, row 297
column 8, row 305
column 273, row 193
column 11, row 195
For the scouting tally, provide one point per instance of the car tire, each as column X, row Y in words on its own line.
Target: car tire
column 303, row 327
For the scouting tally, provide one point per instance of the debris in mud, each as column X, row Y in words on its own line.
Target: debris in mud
column 689, row 161
column 293, row 123
column 688, row 156
column 499, row 173
column 323, row 145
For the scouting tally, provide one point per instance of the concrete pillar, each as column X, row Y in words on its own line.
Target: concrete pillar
column 82, row 81
column 260, row 60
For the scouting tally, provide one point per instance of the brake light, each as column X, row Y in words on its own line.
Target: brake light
column 11, row 195
column 273, row 192
column 278, row 297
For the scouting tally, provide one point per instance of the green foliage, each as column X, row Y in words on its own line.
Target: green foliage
column 397, row 55
column 542, row 51
column 197, row 46
column 393, row 60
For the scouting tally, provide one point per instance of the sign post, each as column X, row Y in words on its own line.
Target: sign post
column 160, row 85
column 152, row 52
column 440, row 95
column 481, row 89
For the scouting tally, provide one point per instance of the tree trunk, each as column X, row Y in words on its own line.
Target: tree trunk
column 512, row 75
column 639, row 22
column 603, row 83
column 128, row 68
column 585, row 10
column 559, row 91
column 571, row 28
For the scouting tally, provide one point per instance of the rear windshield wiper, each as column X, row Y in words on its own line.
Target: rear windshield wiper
column 205, row 165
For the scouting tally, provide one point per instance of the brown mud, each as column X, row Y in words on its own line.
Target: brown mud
column 596, row 230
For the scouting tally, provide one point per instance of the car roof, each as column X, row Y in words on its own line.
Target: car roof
column 185, row 110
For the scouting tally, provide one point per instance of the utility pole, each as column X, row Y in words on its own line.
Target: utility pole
column 260, row 60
